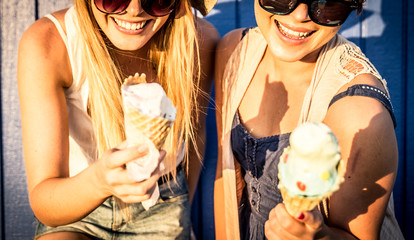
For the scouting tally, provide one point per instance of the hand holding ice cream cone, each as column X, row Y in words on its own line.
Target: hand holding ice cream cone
column 149, row 115
column 282, row 225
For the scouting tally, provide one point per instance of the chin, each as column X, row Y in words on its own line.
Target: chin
column 130, row 45
column 130, row 48
column 282, row 54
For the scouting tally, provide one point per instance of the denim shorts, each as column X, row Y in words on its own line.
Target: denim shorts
column 169, row 218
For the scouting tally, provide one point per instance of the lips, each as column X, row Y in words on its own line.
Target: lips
column 130, row 26
column 292, row 34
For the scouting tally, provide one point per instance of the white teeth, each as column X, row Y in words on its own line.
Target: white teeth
column 130, row 26
column 292, row 34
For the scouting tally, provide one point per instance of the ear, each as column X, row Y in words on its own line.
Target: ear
column 180, row 10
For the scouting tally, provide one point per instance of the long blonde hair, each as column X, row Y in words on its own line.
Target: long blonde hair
column 174, row 53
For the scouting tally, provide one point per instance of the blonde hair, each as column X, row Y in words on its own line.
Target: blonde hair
column 174, row 53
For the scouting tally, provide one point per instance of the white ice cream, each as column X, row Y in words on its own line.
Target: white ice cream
column 309, row 167
column 150, row 99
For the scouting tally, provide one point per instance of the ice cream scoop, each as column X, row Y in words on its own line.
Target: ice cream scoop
column 310, row 168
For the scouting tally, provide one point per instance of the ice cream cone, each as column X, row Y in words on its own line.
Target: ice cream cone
column 156, row 129
column 310, row 169
column 149, row 115
column 298, row 204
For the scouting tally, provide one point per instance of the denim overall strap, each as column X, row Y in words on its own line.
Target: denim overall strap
column 368, row 91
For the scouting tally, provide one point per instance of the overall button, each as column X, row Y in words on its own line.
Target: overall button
column 253, row 203
column 254, row 189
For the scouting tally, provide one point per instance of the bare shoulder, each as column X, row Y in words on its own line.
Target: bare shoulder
column 227, row 45
column 44, row 29
column 208, row 37
column 224, row 50
column 359, row 112
column 366, row 78
column 208, row 34
column 350, row 106
column 41, row 44
column 229, row 42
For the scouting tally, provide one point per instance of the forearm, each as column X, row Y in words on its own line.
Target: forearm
column 60, row 201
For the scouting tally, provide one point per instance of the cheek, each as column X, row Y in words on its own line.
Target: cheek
column 259, row 13
column 326, row 34
column 101, row 19
column 265, row 20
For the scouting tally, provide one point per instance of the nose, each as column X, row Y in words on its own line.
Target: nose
column 300, row 14
column 134, row 8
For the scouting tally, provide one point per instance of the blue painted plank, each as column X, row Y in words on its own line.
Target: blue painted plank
column 409, row 155
column 203, row 202
column 245, row 14
column 385, row 49
column 223, row 16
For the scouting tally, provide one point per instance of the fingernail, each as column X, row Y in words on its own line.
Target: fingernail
column 301, row 216
column 142, row 148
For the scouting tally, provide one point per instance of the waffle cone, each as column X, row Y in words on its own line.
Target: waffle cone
column 137, row 124
column 298, row 204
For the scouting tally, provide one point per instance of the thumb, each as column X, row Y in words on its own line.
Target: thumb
column 312, row 219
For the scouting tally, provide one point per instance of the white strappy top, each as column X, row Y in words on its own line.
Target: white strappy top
column 83, row 148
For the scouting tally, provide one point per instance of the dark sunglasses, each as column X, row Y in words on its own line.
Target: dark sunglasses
column 323, row 12
column 156, row 8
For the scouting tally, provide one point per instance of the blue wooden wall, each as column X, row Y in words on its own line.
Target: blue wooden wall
column 383, row 32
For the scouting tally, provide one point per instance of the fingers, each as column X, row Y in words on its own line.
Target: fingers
column 117, row 178
column 118, row 157
column 120, row 175
column 138, row 191
column 281, row 225
column 312, row 219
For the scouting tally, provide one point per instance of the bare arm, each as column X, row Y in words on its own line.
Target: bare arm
column 368, row 145
column 56, row 199
column 208, row 38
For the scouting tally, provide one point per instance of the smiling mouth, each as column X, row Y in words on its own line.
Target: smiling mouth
column 130, row 26
column 293, row 34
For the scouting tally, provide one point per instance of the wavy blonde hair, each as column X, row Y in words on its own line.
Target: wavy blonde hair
column 174, row 54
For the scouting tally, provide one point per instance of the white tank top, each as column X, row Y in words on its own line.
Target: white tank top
column 83, row 148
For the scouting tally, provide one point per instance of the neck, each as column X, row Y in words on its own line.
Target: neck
column 298, row 72
column 131, row 62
